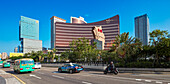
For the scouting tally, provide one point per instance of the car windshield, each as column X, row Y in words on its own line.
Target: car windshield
column 37, row 63
column 27, row 62
column 7, row 63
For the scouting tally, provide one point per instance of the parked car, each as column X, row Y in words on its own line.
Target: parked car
column 6, row 64
column 71, row 68
column 37, row 65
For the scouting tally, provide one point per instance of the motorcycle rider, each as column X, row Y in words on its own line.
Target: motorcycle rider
column 111, row 69
column 111, row 66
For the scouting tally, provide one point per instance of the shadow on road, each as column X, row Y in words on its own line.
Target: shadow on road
column 62, row 72
column 55, row 72
column 97, row 73
column 12, row 72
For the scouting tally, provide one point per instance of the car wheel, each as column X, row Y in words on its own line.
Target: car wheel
column 59, row 70
column 70, row 71
column 15, row 71
column 30, row 71
column 18, row 71
column 105, row 72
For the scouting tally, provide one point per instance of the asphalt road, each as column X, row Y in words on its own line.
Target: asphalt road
column 47, row 75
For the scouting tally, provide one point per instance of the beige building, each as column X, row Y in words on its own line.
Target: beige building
column 79, row 20
column 16, row 49
column 4, row 55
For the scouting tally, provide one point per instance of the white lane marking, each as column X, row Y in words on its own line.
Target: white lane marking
column 138, row 79
column 168, row 83
column 58, row 76
column 158, row 82
column 86, row 82
column 148, row 80
column 35, row 76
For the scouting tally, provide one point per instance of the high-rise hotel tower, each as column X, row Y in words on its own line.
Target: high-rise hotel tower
column 142, row 29
column 63, row 33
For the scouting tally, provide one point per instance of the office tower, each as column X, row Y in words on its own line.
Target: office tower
column 142, row 29
column 29, row 35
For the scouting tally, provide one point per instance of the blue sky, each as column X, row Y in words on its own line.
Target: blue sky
column 92, row 10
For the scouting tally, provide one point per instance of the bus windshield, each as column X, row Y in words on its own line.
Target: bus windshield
column 27, row 62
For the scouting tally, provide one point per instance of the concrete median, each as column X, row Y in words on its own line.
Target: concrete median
column 121, row 70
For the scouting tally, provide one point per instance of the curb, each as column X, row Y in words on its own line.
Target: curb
column 2, row 80
column 13, row 79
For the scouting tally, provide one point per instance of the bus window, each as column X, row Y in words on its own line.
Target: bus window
column 27, row 62
column 17, row 63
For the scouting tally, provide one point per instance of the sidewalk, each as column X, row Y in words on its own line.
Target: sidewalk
column 7, row 78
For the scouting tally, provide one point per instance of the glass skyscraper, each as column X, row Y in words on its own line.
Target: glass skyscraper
column 142, row 29
column 29, row 35
column 29, row 28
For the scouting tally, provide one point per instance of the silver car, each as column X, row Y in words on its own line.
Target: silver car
column 37, row 65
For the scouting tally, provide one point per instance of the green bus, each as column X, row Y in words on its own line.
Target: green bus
column 24, row 65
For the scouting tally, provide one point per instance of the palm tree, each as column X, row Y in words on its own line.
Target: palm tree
column 123, row 45
column 40, row 55
column 54, row 54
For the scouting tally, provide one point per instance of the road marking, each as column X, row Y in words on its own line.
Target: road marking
column 35, row 76
column 86, row 82
column 148, row 80
column 138, row 79
column 18, row 79
column 58, row 76
column 158, row 82
column 168, row 83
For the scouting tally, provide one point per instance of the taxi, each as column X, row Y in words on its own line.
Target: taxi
column 6, row 64
column 71, row 68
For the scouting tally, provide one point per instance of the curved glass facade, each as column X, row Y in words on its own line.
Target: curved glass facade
column 66, row 32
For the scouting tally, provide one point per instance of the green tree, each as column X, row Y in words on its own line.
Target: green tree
column 125, row 47
column 157, row 37
column 82, row 51
column 54, row 54
column 49, row 56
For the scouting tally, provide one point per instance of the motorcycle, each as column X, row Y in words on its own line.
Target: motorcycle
column 111, row 70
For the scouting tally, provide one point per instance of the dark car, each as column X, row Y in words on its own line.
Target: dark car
column 71, row 68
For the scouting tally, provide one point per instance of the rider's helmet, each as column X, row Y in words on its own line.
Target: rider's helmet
column 111, row 62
